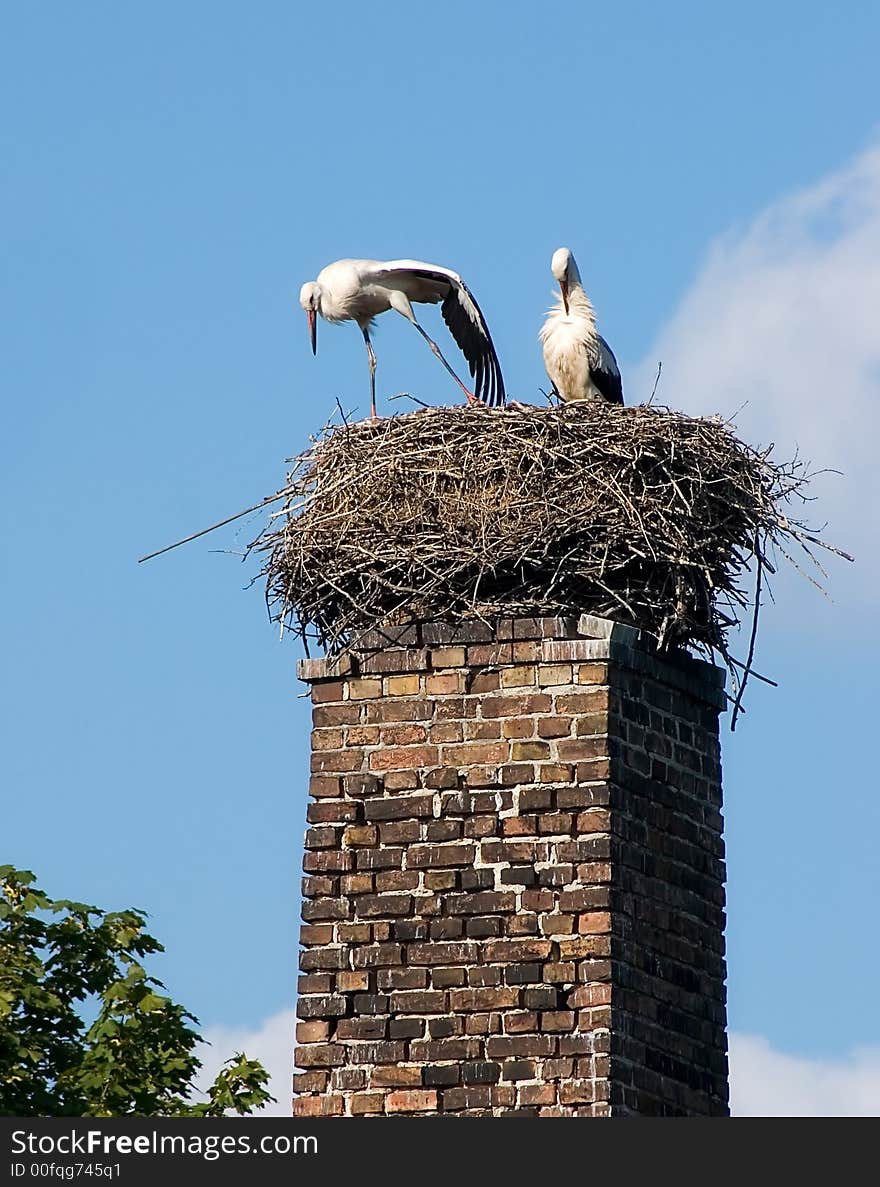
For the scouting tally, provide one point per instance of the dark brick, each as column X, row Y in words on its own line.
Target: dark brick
column 522, row 974
column 518, row 1069
column 440, row 1075
column 362, row 1028
column 477, row 880
column 519, row 876
column 442, row 1028
column 332, row 1005
column 481, row 1072
column 406, row 1028
column 540, row 999
column 481, row 928
column 371, row 1003
column 399, row 807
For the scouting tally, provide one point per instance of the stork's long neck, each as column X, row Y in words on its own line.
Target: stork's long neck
column 578, row 301
column 577, row 297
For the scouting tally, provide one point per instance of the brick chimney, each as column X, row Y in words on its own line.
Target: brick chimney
column 513, row 893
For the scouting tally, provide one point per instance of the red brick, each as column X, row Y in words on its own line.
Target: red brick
column 400, row 1075
column 520, row 826
column 446, row 731
column 482, row 999
column 362, row 735
column 319, row 1055
column 536, row 1094
column 556, row 772
column 467, row 754
column 403, row 686
column 332, row 812
column 330, row 761
column 403, row 757
column 583, row 946
column 529, row 751
column 399, row 710
column 329, row 715
column 556, row 1020
column 592, row 770
column 357, row 836
column 312, row 1032
column 516, row 951
column 327, row 690
column 324, row 786
column 310, row 1081
column 363, row 1103
column 518, row 727
column 353, row 933
column 316, row 933
column 582, row 702
column 592, row 673
column 407, row 734
column 318, row 1106
column 412, row 1101
column 516, row 706
column 594, row 820
column 593, row 922
column 349, row 982
column 450, row 682
column 447, row 657
column 480, row 654
column 585, row 996
column 327, row 739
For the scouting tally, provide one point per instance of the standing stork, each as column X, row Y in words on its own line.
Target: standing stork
column 580, row 363
column 359, row 290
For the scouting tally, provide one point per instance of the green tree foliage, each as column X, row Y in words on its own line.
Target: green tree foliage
column 62, row 960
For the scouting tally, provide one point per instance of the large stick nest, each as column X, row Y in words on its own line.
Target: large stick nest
column 639, row 514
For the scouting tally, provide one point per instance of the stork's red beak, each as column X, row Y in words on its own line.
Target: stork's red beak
column 313, row 329
column 563, row 288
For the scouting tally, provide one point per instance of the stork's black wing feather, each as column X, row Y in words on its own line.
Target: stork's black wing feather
column 605, row 372
column 468, row 327
column 464, row 318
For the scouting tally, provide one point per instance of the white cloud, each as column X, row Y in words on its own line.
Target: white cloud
column 766, row 1083
column 784, row 314
column 271, row 1043
column 763, row 1082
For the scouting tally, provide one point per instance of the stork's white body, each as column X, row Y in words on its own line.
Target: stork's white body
column 570, row 344
column 359, row 290
column 352, row 290
column 578, row 360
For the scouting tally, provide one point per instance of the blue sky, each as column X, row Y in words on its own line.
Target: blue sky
column 171, row 174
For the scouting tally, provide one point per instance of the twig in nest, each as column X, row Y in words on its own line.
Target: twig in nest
column 223, row 522
column 759, row 565
column 656, row 382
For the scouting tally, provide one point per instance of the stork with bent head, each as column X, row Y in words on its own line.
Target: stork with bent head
column 580, row 363
column 359, row 290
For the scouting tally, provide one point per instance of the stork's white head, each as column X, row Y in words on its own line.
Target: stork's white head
column 310, row 299
column 560, row 264
column 565, row 271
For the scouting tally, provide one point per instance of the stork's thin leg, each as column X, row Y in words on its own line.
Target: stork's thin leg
column 471, row 398
column 372, row 358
